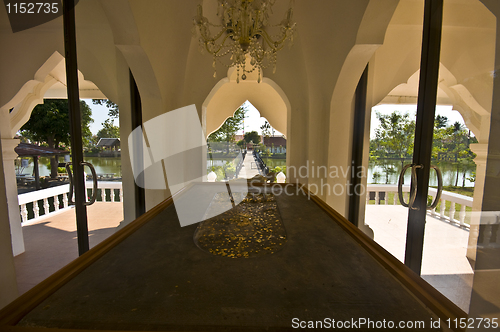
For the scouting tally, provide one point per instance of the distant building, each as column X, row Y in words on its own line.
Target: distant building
column 110, row 144
column 275, row 144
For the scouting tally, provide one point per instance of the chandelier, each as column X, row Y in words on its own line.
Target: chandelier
column 244, row 32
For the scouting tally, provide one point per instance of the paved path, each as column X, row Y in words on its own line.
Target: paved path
column 444, row 265
column 249, row 169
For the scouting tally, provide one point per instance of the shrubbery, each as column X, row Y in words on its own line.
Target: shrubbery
column 278, row 169
column 222, row 171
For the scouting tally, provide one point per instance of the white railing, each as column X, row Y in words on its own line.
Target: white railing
column 57, row 205
column 446, row 196
column 489, row 224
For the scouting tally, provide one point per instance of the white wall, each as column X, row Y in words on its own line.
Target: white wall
column 8, row 282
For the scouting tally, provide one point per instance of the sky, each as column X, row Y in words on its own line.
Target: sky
column 453, row 116
column 99, row 114
column 253, row 120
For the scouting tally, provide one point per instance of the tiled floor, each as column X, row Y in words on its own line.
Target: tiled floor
column 51, row 243
column 444, row 265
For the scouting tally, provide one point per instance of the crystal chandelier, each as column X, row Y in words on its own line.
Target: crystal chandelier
column 244, row 31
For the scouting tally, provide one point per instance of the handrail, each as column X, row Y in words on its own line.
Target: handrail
column 446, row 196
column 54, row 193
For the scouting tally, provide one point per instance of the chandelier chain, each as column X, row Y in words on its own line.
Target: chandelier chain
column 244, row 33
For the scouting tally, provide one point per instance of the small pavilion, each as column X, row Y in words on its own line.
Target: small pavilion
column 35, row 151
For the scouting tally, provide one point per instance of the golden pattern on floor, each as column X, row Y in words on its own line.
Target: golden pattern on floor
column 252, row 228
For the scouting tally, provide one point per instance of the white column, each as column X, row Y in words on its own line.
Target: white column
column 9, row 155
column 8, row 283
column 481, row 151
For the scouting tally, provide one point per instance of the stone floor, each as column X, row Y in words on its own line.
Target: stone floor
column 444, row 266
column 51, row 242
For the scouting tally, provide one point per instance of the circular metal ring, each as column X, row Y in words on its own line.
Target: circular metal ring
column 439, row 190
column 413, row 186
column 400, row 184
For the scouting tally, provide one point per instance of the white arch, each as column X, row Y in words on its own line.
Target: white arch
column 51, row 74
column 227, row 96
column 475, row 116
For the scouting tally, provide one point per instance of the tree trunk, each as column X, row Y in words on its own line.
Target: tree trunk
column 463, row 179
column 456, row 179
column 54, row 162
column 402, row 165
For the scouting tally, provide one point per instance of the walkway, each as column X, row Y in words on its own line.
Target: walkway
column 444, row 266
column 51, row 243
column 249, row 169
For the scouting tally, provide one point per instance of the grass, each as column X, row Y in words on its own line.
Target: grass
column 467, row 191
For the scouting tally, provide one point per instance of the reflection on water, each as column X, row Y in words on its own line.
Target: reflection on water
column 101, row 165
column 448, row 169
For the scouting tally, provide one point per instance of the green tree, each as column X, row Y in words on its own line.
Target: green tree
column 457, row 142
column 49, row 124
column 241, row 144
column 440, row 121
column 227, row 132
column 113, row 111
column 266, row 129
column 252, row 136
column 395, row 136
column 109, row 130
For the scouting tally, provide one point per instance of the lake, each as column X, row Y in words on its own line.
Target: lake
column 448, row 170
column 101, row 165
column 113, row 165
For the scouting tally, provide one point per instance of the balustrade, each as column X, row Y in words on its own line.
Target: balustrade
column 452, row 198
column 37, row 204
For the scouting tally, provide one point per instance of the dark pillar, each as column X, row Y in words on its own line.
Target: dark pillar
column 136, row 106
column 424, row 129
column 357, row 147
column 75, row 124
column 37, row 172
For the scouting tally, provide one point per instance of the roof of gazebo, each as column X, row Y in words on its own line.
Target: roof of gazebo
column 108, row 142
column 30, row 150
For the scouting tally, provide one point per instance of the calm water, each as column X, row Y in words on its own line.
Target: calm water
column 113, row 165
column 448, row 170
column 101, row 165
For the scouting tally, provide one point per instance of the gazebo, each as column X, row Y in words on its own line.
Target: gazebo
column 111, row 144
column 35, row 151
